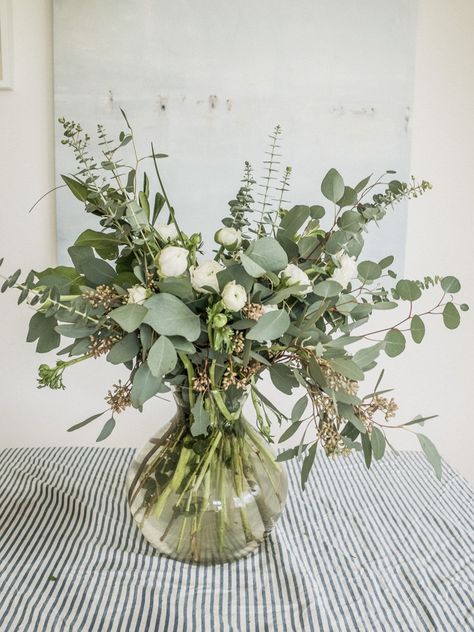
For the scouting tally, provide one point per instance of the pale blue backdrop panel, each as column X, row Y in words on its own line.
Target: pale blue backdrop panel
column 207, row 81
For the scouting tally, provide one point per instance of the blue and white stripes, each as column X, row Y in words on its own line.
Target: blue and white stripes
column 387, row 550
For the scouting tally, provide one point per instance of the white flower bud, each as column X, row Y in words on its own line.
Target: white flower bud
column 167, row 232
column 228, row 237
column 173, row 261
column 138, row 294
column 347, row 269
column 205, row 275
column 293, row 275
column 234, row 296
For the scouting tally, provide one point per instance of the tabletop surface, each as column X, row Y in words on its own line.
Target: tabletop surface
column 387, row 550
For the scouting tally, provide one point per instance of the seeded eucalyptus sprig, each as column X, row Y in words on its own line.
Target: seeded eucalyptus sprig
column 283, row 296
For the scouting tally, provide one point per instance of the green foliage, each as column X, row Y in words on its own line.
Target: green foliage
column 168, row 315
column 136, row 294
column 270, row 326
column 267, row 254
column 145, row 385
column 129, row 317
column 394, row 343
column 417, row 329
column 450, row 285
column 201, row 419
column 332, row 186
column 162, row 357
column 408, row 290
column 369, row 271
column 125, row 349
column 106, row 430
column 451, row 317
column 431, row 454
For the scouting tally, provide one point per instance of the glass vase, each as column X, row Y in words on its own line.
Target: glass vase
column 206, row 499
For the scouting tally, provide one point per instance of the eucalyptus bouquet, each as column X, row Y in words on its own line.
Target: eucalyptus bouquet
column 281, row 294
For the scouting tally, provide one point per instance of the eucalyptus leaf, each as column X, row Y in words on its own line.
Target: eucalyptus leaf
column 328, row 288
column 145, row 385
column 283, row 378
column 417, row 329
column 98, row 271
column 450, row 285
column 201, row 419
column 332, row 186
column 168, row 315
column 106, row 430
column 347, row 412
column 308, row 462
column 368, row 271
column 270, row 326
column 162, row 357
column 350, row 221
column 367, row 449
column 349, row 198
column 408, row 290
column 251, row 268
column 299, row 408
column 290, row 431
column 317, row 212
column 136, row 216
column 451, row 316
column 347, row 367
column 364, row 357
column 394, row 342
column 431, row 454
column 77, row 188
column 377, row 439
column 124, row 350
column 286, row 455
column 293, row 220
column 267, row 253
column 130, row 316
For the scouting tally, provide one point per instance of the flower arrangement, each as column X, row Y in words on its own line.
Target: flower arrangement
column 281, row 294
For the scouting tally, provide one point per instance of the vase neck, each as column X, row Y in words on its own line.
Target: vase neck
column 221, row 406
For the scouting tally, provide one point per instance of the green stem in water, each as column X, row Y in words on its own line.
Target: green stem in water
column 217, row 396
column 190, row 371
column 205, row 465
column 240, row 492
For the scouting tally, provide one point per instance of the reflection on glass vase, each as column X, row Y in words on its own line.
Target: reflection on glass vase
column 211, row 498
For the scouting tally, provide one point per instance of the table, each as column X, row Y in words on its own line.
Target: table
column 387, row 550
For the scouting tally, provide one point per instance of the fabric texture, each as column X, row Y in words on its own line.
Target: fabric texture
column 390, row 550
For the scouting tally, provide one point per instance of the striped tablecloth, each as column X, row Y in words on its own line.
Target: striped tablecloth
column 392, row 550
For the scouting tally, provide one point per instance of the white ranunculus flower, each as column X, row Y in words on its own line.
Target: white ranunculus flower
column 167, row 232
column 234, row 296
column 228, row 237
column 205, row 275
column 173, row 261
column 294, row 275
column 346, row 271
column 138, row 294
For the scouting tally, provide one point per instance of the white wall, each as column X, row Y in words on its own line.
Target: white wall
column 432, row 378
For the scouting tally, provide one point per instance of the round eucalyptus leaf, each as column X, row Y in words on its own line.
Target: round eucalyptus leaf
column 451, row 316
column 450, row 285
column 394, row 343
column 328, row 288
column 408, row 290
column 350, row 221
column 369, row 271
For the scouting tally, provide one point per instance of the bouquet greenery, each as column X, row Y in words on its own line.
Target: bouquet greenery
column 281, row 294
